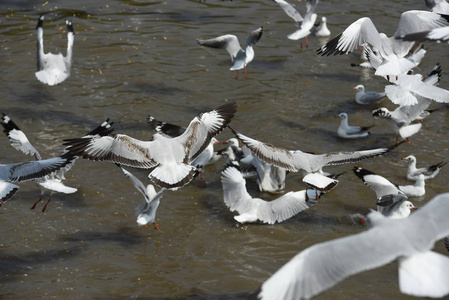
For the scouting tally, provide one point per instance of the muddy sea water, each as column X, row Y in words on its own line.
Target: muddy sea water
column 135, row 58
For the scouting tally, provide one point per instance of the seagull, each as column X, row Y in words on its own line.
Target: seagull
column 269, row 178
column 25, row 171
column 402, row 117
column 428, row 172
column 406, row 88
column 438, row 6
column 382, row 186
column 52, row 68
column 365, row 98
column 393, row 51
column 321, row 30
column 171, row 130
column 296, row 160
column 146, row 211
column 305, row 24
column 422, row 273
column 395, row 206
column 168, row 158
column 53, row 181
column 351, row 132
column 241, row 58
column 252, row 209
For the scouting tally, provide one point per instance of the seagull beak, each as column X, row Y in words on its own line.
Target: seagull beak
column 218, row 142
column 415, row 208
column 354, row 88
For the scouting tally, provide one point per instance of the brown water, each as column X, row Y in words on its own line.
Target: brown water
column 134, row 58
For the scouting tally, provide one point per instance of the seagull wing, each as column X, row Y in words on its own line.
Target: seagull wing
column 119, row 148
column 228, row 42
column 323, row 265
column 204, row 127
column 17, row 137
column 360, row 32
column 380, row 185
column 290, row 10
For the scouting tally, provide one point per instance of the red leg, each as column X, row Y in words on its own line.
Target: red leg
column 157, row 227
column 237, row 75
column 300, row 42
column 307, row 43
column 246, row 74
column 35, row 203
column 45, row 206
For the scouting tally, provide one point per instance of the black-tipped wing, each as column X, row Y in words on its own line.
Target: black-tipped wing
column 254, row 37
column 118, row 148
column 168, row 129
column 204, row 127
column 17, row 137
column 228, row 42
column 19, row 172
column 380, row 185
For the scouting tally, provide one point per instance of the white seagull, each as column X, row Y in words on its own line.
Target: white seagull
column 395, row 206
column 52, row 182
column 382, row 186
column 296, row 160
column 393, row 51
column 351, row 132
column 269, row 178
column 367, row 97
column 240, row 57
column 402, row 117
column 438, row 6
column 53, row 68
column 171, row 130
column 405, row 90
column 429, row 172
column 305, row 24
column 146, row 211
column 25, row 171
column 321, row 30
column 422, row 273
column 252, row 209
column 168, row 158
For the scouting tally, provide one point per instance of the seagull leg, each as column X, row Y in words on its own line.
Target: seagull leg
column 307, row 196
column 300, row 42
column 408, row 140
column 237, row 75
column 307, row 42
column 246, row 74
column 157, row 227
column 35, row 203
column 45, row 206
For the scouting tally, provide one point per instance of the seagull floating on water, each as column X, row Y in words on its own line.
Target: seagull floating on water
column 305, row 24
column 367, row 97
column 393, row 51
column 241, row 58
column 395, row 206
column 237, row 198
column 422, row 273
column 296, row 160
column 321, row 30
column 351, row 132
column 52, row 68
column 169, row 158
column 429, row 172
column 146, row 211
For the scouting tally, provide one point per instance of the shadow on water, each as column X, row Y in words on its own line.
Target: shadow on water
column 124, row 236
column 12, row 266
